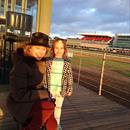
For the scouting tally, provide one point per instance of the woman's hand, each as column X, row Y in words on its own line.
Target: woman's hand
column 39, row 94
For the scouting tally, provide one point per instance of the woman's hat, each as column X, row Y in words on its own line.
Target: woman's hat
column 40, row 39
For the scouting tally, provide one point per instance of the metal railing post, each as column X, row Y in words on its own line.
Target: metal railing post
column 80, row 64
column 102, row 73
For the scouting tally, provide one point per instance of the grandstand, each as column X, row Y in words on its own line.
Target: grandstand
column 121, row 41
column 96, row 38
column 118, row 43
column 95, row 41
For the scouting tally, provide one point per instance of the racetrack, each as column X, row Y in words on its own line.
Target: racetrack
column 115, row 85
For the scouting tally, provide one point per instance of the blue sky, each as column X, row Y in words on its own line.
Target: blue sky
column 70, row 17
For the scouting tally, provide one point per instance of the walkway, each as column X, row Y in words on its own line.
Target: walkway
column 84, row 110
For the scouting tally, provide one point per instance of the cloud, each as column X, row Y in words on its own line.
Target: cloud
column 77, row 16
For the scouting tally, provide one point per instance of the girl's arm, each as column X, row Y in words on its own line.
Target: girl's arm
column 70, row 81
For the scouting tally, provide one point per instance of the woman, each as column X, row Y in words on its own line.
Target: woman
column 59, row 76
column 26, row 100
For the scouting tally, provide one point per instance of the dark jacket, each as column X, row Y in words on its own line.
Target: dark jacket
column 25, row 82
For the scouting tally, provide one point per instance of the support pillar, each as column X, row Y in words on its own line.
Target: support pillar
column 5, row 7
column 13, row 4
column 44, row 11
column 0, row 7
column 24, row 6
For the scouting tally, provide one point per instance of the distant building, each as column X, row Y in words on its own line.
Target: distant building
column 89, row 40
column 13, row 15
column 121, row 41
column 100, row 41
column 93, row 38
column 97, row 41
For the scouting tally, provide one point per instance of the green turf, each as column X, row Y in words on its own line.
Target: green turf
column 96, row 62
column 86, row 62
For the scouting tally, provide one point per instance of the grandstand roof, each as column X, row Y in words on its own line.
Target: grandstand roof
column 96, row 38
column 96, row 34
column 123, row 34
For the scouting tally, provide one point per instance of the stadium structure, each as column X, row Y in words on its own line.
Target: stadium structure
column 91, row 40
column 121, row 41
column 118, row 43
column 99, row 41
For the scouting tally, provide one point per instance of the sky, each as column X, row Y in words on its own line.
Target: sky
column 71, row 17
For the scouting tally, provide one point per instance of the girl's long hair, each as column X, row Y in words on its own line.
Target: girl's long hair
column 65, row 48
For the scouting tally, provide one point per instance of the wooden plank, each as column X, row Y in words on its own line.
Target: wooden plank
column 84, row 110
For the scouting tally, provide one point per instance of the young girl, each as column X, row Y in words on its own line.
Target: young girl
column 59, row 76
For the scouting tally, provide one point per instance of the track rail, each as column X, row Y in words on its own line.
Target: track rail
column 115, row 94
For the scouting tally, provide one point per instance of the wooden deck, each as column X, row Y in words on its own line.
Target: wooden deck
column 84, row 110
